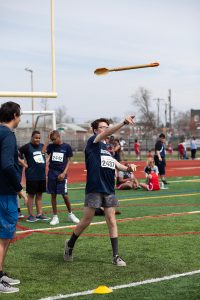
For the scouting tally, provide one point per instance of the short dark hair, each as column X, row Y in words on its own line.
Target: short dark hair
column 54, row 132
column 147, row 170
column 162, row 136
column 95, row 123
column 9, row 110
column 35, row 132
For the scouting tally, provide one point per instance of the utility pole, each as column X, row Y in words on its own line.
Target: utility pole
column 165, row 114
column 170, row 109
column 158, row 110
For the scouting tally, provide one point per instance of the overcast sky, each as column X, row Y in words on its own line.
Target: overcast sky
column 102, row 33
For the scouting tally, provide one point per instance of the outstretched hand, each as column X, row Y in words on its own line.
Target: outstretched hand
column 129, row 120
column 131, row 168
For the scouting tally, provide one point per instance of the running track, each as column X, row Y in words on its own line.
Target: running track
column 175, row 168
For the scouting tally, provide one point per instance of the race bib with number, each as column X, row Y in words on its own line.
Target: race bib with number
column 107, row 162
column 57, row 156
column 39, row 159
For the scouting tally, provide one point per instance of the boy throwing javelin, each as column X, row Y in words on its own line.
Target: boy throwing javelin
column 100, row 183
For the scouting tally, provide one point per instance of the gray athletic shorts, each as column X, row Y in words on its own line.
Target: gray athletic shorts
column 96, row 200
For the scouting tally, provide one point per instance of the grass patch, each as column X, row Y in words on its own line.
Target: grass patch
column 38, row 262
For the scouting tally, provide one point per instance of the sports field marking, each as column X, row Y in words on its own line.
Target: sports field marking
column 118, row 220
column 159, row 196
column 130, row 199
column 124, row 286
column 186, row 168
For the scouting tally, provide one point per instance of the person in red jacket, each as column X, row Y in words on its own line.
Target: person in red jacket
column 181, row 150
column 137, row 149
column 152, row 181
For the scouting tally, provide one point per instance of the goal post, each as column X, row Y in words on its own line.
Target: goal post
column 42, row 113
column 52, row 93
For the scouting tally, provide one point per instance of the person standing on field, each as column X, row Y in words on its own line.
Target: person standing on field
column 159, row 157
column 100, row 186
column 35, row 176
column 137, row 149
column 193, row 147
column 10, row 187
column 59, row 159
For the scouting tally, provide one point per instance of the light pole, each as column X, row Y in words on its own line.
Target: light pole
column 170, row 109
column 32, row 103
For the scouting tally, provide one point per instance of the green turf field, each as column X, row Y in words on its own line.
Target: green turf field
column 158, row 237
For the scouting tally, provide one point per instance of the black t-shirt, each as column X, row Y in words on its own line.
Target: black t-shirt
column 35, row 160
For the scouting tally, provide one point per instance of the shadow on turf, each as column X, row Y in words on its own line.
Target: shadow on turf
column 58, row 258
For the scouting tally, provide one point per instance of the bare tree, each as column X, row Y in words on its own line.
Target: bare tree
column 147, row 118
column 61, row 114
column 182, row 122
column 44, row 103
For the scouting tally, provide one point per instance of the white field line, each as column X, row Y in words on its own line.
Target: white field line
column 124, row 286
column 56, row 228
column 104, row 222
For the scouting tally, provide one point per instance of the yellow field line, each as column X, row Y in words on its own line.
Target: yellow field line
column 160, row 197
column 131, row 199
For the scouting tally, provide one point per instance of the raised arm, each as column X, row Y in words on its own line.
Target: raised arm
column 112, row 129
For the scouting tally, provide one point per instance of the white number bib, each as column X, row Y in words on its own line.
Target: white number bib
column 57, row 156
column 107, row 162
column 39, row 159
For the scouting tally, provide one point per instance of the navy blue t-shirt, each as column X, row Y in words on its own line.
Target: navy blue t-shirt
column 100, row 167
column 159, row 146
column 35, row 160
column 9, row 168
column 59, row 156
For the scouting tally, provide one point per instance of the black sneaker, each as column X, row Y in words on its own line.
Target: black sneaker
column 31, row 219
column 42, row 217
column 165, row 182
column 68, row 256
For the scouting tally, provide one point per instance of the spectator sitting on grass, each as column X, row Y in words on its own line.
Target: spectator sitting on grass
column 126, row 180
column 152, row 183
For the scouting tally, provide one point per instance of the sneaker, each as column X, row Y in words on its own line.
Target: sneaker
column 68, row 256
column 118, row 261
column 7, row 288
column 9, row 280
column 54, row 220
column 73, row 218
column 20, row 215
column 165, row 182
column 42, row 217
column 31, row 219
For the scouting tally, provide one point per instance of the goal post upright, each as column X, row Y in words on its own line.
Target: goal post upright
column 32, row 94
